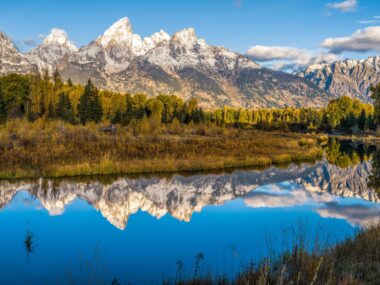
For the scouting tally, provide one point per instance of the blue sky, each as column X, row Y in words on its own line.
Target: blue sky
column 235, row 24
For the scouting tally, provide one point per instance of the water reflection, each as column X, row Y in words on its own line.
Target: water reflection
column 286, row 195
column 374, row 179
column 344, row 173
column 182, row 224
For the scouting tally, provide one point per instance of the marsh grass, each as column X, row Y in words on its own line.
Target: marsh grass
column 353, row 261
column 56, row 149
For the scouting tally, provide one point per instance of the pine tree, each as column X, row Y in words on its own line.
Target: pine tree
column 64, row 109
column 51, row 113
column 376, row 97
column 3, row 109
column 70, row 82
column 117, row 118
column 83, row 110
column 96, row 111
column 362, row 121
column 42, row 104
column 90, row 107
column 57, row 80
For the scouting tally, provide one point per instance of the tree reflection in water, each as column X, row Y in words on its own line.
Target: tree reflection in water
column 374, row 180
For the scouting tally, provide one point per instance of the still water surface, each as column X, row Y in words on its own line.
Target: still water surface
column 149, row 229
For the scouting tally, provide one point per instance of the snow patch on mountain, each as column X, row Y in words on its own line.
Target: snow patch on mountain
column 53, row 49
column 346, row 77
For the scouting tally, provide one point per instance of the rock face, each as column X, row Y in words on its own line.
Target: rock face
column 53, row 49
column 182, row 64
column 11, row 60
column 348, row 77
column 181, row 196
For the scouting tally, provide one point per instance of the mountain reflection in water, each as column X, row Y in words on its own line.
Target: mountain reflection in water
column 138, row 229
column 181, row 196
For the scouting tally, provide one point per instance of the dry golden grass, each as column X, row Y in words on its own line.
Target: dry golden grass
column 55, row 149
column 354, row 261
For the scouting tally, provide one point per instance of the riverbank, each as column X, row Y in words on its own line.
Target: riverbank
column 55, row 149
column 353, row 262
column 369, row 137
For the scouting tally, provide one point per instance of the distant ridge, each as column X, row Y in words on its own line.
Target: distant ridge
column 348, row 77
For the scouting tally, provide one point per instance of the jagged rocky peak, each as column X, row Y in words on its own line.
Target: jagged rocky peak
column 156, row 39
column 59, row 37
column 121, row 31
column 7, row 46
column 3, row 39
column 121, row 34
column 11, row 60
column 346, row 77
column 186, row 35
column 187, row 38
column 53, row 49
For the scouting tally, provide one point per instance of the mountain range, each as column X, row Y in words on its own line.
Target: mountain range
column 186, row 66
column 348, row 77
column 181, row 64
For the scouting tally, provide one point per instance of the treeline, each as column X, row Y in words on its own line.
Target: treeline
column 49, row 97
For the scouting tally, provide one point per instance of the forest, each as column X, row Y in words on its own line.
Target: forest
column 48, row 98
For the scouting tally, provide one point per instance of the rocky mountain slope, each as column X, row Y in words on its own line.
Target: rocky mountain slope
column 348, row 77
column 11, row 60
column 53, row 49
column 182, row 64
column 181, row 196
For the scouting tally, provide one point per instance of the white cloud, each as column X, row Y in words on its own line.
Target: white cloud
column 285, row 58
column 362, row 40
column 356, row 214
column 374, row 20
column 367, row 22
column 325, row 204
column 345, row 6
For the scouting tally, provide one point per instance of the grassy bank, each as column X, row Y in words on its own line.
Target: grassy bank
column 370, row 138
column 353, row 262
column 55, row 149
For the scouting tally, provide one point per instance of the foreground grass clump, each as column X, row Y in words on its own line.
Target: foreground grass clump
column 56, row 149
column 353, row 262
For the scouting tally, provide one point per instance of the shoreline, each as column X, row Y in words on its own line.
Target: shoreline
column 61, row 150
column 161, row 167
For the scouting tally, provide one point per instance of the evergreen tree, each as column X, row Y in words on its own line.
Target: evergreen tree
column 83, row 105
column 3, row 109
column 90, row 107
column 70, row 82
column 117, row 118
column 57, row 80
column 376, row 97
column 51, row 112
column 42, row 104
column 96, row 110
column 64, row 109
column 362, row 121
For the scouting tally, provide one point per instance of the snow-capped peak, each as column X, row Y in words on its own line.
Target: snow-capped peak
column 119, row 31
column 155, row 39
column 59, row 37
column 186, row 35
column 159, row 37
